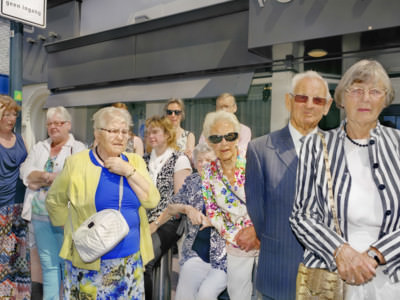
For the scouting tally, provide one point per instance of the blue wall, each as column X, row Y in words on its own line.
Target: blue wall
column 4, row 84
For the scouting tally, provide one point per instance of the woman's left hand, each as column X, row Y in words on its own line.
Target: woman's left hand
column 247, row 239
column 118, row 166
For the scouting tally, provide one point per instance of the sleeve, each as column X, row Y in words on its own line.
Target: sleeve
column 153, row 195
column 31, row 162
column 182, row 163
column 254, row 188
column 310, row 213
column 184, row 194
column 217, row 217
column 58, row 196
column 78, row 147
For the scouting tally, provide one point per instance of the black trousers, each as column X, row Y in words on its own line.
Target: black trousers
column 163, row 239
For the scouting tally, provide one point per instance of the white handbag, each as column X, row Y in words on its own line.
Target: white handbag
column 101, row 232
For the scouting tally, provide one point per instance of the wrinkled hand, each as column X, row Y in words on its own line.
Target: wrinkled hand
column 118, row 166
column 247, row 239
column 355, row 267
column 195, row 216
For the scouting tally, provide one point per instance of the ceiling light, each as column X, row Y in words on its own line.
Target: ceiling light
column 283, row 1
column 317, row 53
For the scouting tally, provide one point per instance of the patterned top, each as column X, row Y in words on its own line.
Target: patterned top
column 182, row 140
column 227, row 212
column 191, row 194
column 11, row 188
column 164, row 183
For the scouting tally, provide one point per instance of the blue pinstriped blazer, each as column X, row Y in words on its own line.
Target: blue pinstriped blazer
column 270, row 192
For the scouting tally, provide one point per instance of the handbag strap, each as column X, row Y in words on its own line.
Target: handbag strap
column 121, row 193
column 330, row 189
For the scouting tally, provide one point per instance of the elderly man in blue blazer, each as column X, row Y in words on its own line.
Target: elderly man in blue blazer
column 271, row 181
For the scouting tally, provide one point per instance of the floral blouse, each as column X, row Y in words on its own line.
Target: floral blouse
column 227, row 212
column 191, row 194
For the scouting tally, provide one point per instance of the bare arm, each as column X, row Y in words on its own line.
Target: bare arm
column 139, row 148
column 38, row 179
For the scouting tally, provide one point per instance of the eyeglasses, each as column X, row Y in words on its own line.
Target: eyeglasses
column 359, row 92
column 56, row 123
column 176, row 112
column 304, row 99
column 230, row 137
column 116, row 132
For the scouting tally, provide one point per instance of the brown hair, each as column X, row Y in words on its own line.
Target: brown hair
column 9, row 103
column 120, row 105
column 165, row 124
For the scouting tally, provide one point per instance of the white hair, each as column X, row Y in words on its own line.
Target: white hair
column 313, row 75
column 213, row 117
column 104, row 115
column 60, row 110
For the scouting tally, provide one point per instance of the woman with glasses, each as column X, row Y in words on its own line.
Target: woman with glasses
column 45, row 160
column 365, row 169
column 168, row 169
column 102, row 178
column 223, row 191
column 15, row 277
column 175, row 112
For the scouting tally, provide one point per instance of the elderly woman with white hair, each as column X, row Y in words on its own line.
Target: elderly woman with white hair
column 223, row 191
column 203, row 248
column 91, row 181
column 44, row 162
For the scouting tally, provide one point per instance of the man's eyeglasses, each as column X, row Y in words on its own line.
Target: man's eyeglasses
column 359, row 92
column 56, row 123
column 176, row 112
column 115, row 132
column 304, row 99
column 230, row 137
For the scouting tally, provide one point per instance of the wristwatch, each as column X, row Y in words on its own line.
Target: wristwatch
column 371, row 253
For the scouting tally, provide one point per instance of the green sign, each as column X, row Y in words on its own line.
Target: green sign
column 18, row 96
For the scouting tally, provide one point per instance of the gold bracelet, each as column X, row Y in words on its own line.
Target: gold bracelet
column 131, row 173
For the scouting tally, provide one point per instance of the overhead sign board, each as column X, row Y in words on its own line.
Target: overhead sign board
column 32, row 12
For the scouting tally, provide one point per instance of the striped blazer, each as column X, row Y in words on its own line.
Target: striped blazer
column 312, row 219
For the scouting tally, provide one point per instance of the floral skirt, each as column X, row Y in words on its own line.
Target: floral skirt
column 119, row 278
column 15, row 275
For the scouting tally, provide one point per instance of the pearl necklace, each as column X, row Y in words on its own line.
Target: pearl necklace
column 353, row 141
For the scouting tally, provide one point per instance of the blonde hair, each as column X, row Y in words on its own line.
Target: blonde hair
column 176, row 101
column 9, row 103
column 165, row 124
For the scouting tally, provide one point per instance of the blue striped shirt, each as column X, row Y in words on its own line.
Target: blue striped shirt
column 312, row 219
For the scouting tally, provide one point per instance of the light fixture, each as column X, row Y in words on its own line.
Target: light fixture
column 283, row 1
column 317, row 53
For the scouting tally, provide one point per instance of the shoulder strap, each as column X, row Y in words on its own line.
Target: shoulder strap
column 330, row 189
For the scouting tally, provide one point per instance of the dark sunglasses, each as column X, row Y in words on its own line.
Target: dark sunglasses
column 304, row 99
column 176, row 112
column 230, row 137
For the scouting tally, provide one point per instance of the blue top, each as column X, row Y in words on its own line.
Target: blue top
column 107, row 196
column 12, row 189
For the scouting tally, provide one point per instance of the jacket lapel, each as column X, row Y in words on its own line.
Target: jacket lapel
column 284, row 146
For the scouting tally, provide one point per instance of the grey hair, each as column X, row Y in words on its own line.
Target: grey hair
column 201, row 148
column 105, row 115
column 364, row 71
column 61, row 110
column 177, row 101
column 213, row 117
column 313, row 75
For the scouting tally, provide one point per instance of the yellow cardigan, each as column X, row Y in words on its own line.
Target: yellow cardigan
column 77, row 183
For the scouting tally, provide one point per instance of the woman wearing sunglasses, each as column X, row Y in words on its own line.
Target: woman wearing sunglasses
column 175, row 112
column 44, row 162
column 223, row 192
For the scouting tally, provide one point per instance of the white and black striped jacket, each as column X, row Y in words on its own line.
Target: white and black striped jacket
column 312, row 219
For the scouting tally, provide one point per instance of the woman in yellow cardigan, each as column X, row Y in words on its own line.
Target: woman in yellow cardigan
column 89, row 183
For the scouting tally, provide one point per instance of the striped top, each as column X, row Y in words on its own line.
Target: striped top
column 312, row 220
